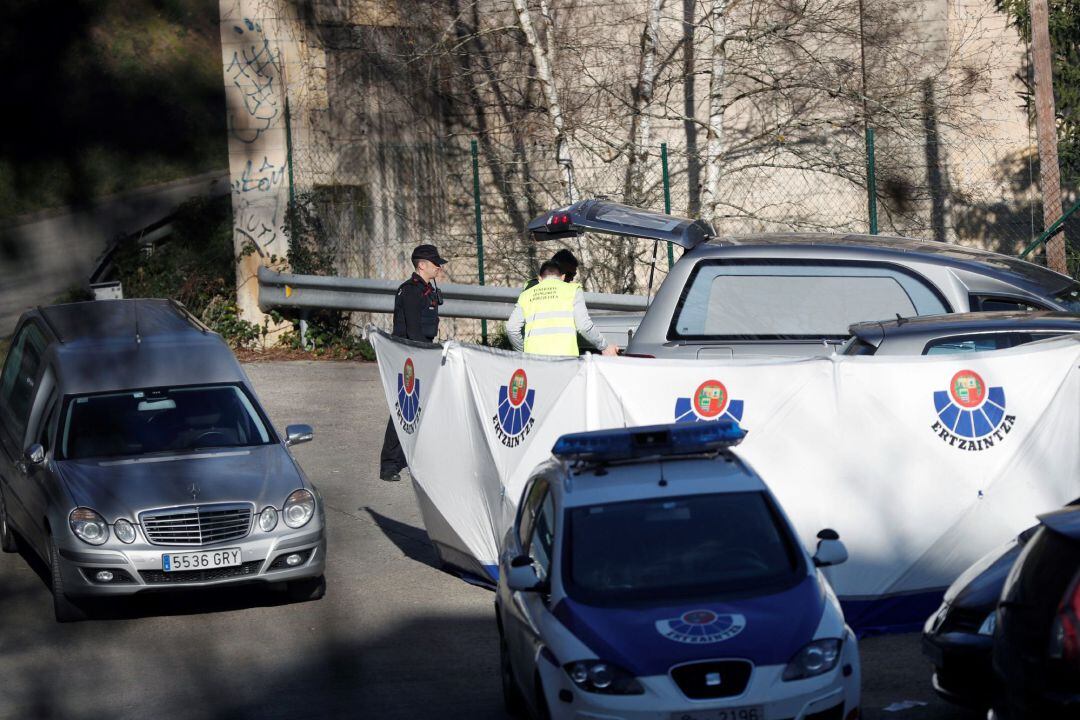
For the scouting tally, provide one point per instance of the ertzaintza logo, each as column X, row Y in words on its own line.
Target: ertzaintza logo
column 408, row 397
column 514, row 419
column 971, row 415
column 710, row 401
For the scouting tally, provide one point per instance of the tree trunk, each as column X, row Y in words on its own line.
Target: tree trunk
column 690, row 128
column 546, row 76
column 1046, row 132
column 714, row 143
column 641, row 125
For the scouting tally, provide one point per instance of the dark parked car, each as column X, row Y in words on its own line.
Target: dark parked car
column 796, row 294
column 1037, row 639
column 958, row 638
column 957, row 333
column 136, row 458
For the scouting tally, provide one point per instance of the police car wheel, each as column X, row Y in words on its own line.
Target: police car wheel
column 513, row 702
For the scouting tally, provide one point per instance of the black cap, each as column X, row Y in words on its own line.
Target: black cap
column 427, row 252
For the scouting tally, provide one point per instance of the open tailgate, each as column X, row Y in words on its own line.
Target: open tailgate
column 604, row 216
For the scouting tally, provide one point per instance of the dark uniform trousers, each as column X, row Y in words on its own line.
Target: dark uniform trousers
column 416, row 317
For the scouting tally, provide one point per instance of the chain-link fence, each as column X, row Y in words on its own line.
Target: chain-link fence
column 401, row 195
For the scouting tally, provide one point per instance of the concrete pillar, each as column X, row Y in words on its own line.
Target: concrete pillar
column 254, row 57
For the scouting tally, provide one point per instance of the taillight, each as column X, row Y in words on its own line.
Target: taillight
column 559, row 220
column 1065, row 632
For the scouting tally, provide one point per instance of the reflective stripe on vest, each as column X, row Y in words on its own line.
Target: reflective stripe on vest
column 549, row 318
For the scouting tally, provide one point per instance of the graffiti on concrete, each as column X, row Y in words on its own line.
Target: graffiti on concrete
column 255, row 72
column 255, row 218
column 264, row 178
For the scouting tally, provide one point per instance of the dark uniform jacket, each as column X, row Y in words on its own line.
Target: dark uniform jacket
column 416, row 310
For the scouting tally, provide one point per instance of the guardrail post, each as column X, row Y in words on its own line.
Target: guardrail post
column 479, row 229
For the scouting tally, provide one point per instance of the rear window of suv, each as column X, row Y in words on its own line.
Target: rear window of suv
column 725, row 299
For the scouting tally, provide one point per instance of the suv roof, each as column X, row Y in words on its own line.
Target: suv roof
column 114, row 345
column 967, row 322
column 961, row 257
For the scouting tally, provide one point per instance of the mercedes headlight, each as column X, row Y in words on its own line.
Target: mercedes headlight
column 602, row 677
column 299, row 508
column 124, row 530
column 268, row 519
column 88, row 526
column 817, row 658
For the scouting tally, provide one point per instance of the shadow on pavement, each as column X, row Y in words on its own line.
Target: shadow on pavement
column 412, row 541
column 445, row 666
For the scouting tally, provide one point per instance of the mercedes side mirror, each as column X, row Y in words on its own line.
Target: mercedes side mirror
column 34, row 455
column 522, row 576
column 830, row 551
column 296, row 434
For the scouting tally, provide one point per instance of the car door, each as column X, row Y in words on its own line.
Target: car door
column 515, row 620
column 18, row 390
column 541, row 544
column 37, row 482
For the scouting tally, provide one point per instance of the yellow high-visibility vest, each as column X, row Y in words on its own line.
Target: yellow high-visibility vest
column 549, row 317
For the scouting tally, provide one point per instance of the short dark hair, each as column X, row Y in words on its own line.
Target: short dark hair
column 549, row 268
column 566, row 260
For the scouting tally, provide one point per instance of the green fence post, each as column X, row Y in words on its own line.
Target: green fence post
column 667, row 198
column 871, row 181
column 479, row 229
column 289, row 164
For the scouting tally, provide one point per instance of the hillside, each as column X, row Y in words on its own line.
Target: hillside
column 105, row 96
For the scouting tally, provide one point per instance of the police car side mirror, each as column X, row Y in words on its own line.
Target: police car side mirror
column 522, row 576
column 830, row 551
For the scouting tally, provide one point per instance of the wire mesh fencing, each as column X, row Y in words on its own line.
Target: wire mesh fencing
column 475, row 204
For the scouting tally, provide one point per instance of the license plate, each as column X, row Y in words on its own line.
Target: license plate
column 177, row 562
column 754, row 712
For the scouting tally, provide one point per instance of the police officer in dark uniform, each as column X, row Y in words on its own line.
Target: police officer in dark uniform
column 416, row 317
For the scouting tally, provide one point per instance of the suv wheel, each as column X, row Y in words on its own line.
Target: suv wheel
column 63, row 607
column 310, row 589
column 7, row 536
column 513, row 701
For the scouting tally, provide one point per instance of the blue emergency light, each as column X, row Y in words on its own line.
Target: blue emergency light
column 649, row 441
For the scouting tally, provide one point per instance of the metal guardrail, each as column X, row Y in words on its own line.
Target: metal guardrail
column 482, row 302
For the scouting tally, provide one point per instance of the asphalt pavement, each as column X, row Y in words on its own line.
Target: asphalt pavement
column 393, row 638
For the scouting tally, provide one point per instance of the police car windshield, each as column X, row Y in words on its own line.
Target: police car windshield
column 679, row 548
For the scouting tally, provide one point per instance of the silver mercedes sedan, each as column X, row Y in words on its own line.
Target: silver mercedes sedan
column 136, row 458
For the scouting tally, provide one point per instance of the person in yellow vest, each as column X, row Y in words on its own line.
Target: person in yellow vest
column 549, row 315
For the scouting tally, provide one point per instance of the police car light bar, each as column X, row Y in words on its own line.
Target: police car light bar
column 649, row 441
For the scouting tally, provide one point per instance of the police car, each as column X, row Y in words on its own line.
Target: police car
column 650, row 573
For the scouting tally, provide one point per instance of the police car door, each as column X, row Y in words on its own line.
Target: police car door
column 527, row 606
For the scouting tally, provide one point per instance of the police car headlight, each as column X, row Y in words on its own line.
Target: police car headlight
column 88, row 526
column 817, row 658
column 602, row 677
column 299, row 508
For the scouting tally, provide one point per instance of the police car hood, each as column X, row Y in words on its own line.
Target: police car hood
column 649, row 640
